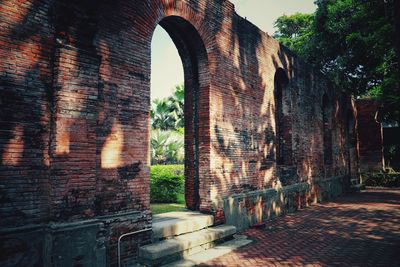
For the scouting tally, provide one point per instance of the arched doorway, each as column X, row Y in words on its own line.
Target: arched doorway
column 282, row 119
column 352, row 146
column 285, row 170
column 327, row 131
column 196, row 82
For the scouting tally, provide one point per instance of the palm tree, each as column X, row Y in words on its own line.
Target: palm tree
column 160, row 114
column 167, row 135
column 168, row 113
column 177, row 105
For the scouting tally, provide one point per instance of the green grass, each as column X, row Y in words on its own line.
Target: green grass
column 157, row 208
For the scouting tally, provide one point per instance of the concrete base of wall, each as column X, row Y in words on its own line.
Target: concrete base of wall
column 67, row 244
column 248, row 209
column 331, row 188
column 82, row 243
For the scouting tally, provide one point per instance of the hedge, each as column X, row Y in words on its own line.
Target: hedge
column 166, row 183
column 381, row 179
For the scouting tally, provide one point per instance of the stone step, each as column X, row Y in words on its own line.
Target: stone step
column 177, row 223
column 237, row 242
column 179, row 247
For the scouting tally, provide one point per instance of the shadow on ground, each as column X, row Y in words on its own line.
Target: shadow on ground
column 358, row 230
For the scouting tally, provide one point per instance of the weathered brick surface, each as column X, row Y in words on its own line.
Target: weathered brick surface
column 75, row 100
column 353, row 149
column 370, row 136
column 26, row 44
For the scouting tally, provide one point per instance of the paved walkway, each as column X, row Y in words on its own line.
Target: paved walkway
column 358, row 230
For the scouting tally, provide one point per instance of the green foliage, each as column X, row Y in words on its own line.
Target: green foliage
column 160, row 118
column 177, row 105
column 168, row 113
column 354, row 38
column 295, row 32
column 353, row 43
column 167, row 135
column 294, row 25
column 157, row 208
column 180, row 130
column 166, row 183
column 382, row 179
column 167, row 147
column 392, row 156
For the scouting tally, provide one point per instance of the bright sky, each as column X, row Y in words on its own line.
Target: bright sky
column 166, row 68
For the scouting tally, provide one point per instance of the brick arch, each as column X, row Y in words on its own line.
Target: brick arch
column 162, row 9
column 197, row 82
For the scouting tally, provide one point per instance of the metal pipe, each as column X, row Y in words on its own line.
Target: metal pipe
column 124, row 235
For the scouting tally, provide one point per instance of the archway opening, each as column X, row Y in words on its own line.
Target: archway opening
column 327, row 130
column 282, row 119
column 286, row 172
column 167, row 126
column 193, row 58
column 352, row 146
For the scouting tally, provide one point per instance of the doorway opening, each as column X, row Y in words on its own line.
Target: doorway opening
column 282, row 119
column 327, row 130
column 177, row 80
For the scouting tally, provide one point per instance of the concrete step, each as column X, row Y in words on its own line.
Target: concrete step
column 177, row 223
column 237, row 242
column 181, row 246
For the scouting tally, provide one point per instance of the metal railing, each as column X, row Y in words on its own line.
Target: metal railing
column 128, row 234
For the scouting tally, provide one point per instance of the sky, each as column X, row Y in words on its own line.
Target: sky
column 166, row 67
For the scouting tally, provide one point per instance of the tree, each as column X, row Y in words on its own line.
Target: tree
column 353, row 43
column 176, row 111
column 295, row 32
column 160, row 117
column 168, row 113
column 167, row 135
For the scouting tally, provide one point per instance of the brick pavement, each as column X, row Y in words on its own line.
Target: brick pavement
column 358, row 230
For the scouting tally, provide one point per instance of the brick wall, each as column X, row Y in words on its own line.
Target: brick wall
column 26, row 73
column 370, row 136
column 75, row 100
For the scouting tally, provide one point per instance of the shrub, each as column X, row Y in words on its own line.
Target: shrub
column 167, row 147
column 381, row 179
column 166, row 183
